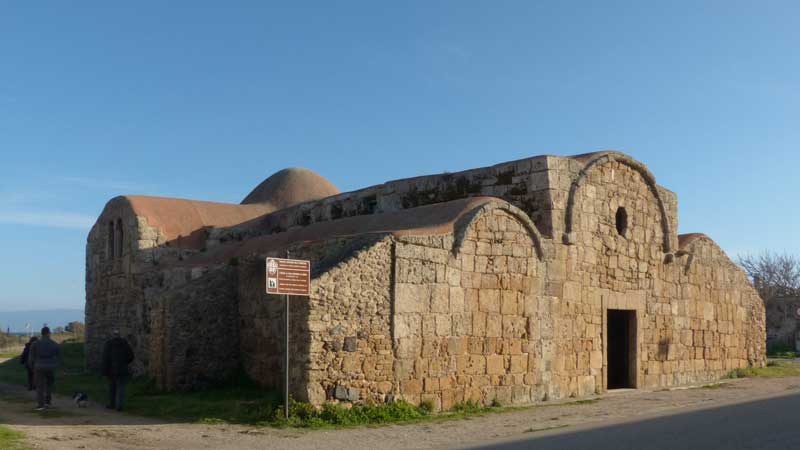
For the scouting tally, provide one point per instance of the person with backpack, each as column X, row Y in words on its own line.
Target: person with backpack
column 26, row 360
column 46, row 358
column 117, row 354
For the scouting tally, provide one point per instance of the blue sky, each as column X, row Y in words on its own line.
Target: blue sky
column 204, row 100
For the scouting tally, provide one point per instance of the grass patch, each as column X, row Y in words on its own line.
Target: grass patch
column 783, row 355
column 241, row 401
column 11, row 440
column 712, row 386
column 781, row 351
column 773, row 369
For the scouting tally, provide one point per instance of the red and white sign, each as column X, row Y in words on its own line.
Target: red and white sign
column 288, row 276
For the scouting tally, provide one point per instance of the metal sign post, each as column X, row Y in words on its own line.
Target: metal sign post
column 288, row 277
column 286, row 361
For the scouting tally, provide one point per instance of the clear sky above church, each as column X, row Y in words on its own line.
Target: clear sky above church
column 205, row 99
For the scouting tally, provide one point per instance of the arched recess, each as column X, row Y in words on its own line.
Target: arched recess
column 649, row 179
column 463, row 224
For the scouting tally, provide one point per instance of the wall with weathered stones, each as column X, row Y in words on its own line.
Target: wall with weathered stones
column 694, row 323
column 471, row 320
column 725, row 313
column 114, row 295
column 199, row 332
column 128, row 277
column 335, row 334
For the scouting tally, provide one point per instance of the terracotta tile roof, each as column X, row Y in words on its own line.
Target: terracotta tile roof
column 429, row 220
column 181, row 219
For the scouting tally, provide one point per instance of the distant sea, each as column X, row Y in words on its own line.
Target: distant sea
column 16, row 320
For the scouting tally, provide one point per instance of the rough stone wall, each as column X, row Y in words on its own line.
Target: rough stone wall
column 127, row 291
column 473, row 325
column 604, row 270
column 350, row 355
column 725, row 313
column 114, row 294
column 335, row 334
column 199, row 331
column 694, row 323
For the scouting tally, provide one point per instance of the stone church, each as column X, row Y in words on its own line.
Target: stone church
column 543, row 278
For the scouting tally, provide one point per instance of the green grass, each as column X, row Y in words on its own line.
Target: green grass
column 781, row 351
column 11, row 440
column 241, row 401
column 772, row 370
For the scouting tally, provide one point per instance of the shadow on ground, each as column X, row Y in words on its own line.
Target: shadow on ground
column 765, row 424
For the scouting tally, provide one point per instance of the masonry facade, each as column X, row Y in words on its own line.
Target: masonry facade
column 543, row 278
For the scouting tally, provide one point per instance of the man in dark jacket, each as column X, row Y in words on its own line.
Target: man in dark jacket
column 27, row 361
column 117, row 354
column 46, row 358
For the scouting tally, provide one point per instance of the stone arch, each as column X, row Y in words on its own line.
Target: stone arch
column 644, row 172
column 463, row 224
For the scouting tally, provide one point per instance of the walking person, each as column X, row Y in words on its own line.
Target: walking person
column 46, row 356
column 26, row 360
column 117, row 354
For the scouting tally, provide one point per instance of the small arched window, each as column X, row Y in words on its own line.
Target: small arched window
column 622, row 221
column 110, row 241
column 118, row 239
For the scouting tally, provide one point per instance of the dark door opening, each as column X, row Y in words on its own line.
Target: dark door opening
column 621, row 349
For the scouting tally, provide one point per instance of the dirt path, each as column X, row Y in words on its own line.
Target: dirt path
column 67, row 427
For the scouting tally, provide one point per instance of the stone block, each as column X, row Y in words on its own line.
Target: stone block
column 411, row 387
column 350, row 344
column 340, row 393
column 495, row 364
column 412, row 298
column 518, row 364
column 407, row 325
column 494, row 325
column 457, row 301
column 476, row 365
column 440, row 298
column 489, row 300
column 509, row 302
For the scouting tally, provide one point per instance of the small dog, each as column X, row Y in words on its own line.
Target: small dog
column 80, row 399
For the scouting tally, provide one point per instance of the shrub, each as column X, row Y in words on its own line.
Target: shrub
column 469, row 406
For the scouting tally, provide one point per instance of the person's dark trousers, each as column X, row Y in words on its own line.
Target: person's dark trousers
column 31, row 384
column 116, row 392
column 44, row 386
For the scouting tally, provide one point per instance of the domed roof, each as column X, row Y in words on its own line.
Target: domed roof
column 291, row 186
